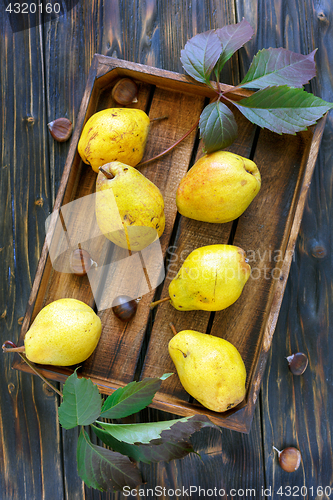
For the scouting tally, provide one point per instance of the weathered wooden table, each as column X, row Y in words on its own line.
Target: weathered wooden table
column 43, row 73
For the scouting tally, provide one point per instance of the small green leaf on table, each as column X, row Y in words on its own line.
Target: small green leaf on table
column 104, row 469
column 81, row 403
column 132, row 398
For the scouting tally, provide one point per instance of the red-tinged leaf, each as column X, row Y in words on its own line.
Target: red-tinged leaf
column 272, row 67
column 156, row 451
column 104, row 469
column 144, row 433
column 232, row 38
column 283, row 109
column 218, row 127
column 200, row 55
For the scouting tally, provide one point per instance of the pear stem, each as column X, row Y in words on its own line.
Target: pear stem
column 13, row 349
column 157, row 302
column 19, row 350
column 171, row 147
column 173, row 328
column 108, row 175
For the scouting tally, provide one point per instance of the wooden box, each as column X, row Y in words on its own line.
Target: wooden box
column 267, row 231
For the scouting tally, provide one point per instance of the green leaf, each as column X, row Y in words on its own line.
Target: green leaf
column 283, row 109
column 132, row 398
column 156, row 451
column 271, row 67
column 104, row 469
column 144, row 433
column 218, row 127
column 200, row 55
column 81, row 403
column 232, row 38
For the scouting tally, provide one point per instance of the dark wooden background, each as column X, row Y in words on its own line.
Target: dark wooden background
column 43, row 73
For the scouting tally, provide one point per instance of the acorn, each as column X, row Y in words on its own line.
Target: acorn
column 125, row 92
column 289, row 458
column 124, row 307
column 61, row 129
column 80, row 262
column 297, row 363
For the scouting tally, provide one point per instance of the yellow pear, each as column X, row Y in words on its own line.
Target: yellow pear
column 209, row 368
column 218, row 188
column 129, row 207
column 211, row 278
column 65, row 332
column 114, row 134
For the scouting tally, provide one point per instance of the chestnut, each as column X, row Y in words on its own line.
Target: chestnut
column 297, row 363
column 124, row 307
column 61, row 129
column 289, row 458
column 125, row 92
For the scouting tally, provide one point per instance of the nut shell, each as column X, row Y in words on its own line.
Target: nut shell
column 290, row 459
column 297, row 363
column 124, row 307
column 61, row 129
column 125, row 92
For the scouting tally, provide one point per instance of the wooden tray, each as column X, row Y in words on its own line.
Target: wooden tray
column 267, row 231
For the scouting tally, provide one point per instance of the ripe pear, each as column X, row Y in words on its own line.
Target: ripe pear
column 114, row 134
column 209, row 368
column 218, row 188
column 129, row 207
column 211, row 278
column 65, row 332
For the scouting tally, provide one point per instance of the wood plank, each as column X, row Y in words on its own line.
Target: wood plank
column 27, row 456
column 298, row 409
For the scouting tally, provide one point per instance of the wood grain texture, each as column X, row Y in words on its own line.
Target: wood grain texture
column 43, row 73
column 25, row 202
column 304, row 322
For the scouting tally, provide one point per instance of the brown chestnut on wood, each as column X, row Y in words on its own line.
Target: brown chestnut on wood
column 297, row 363
column 289, row 458
column 61, row 129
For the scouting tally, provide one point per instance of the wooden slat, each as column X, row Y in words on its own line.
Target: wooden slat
column 26, row 455
column 298, row 409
